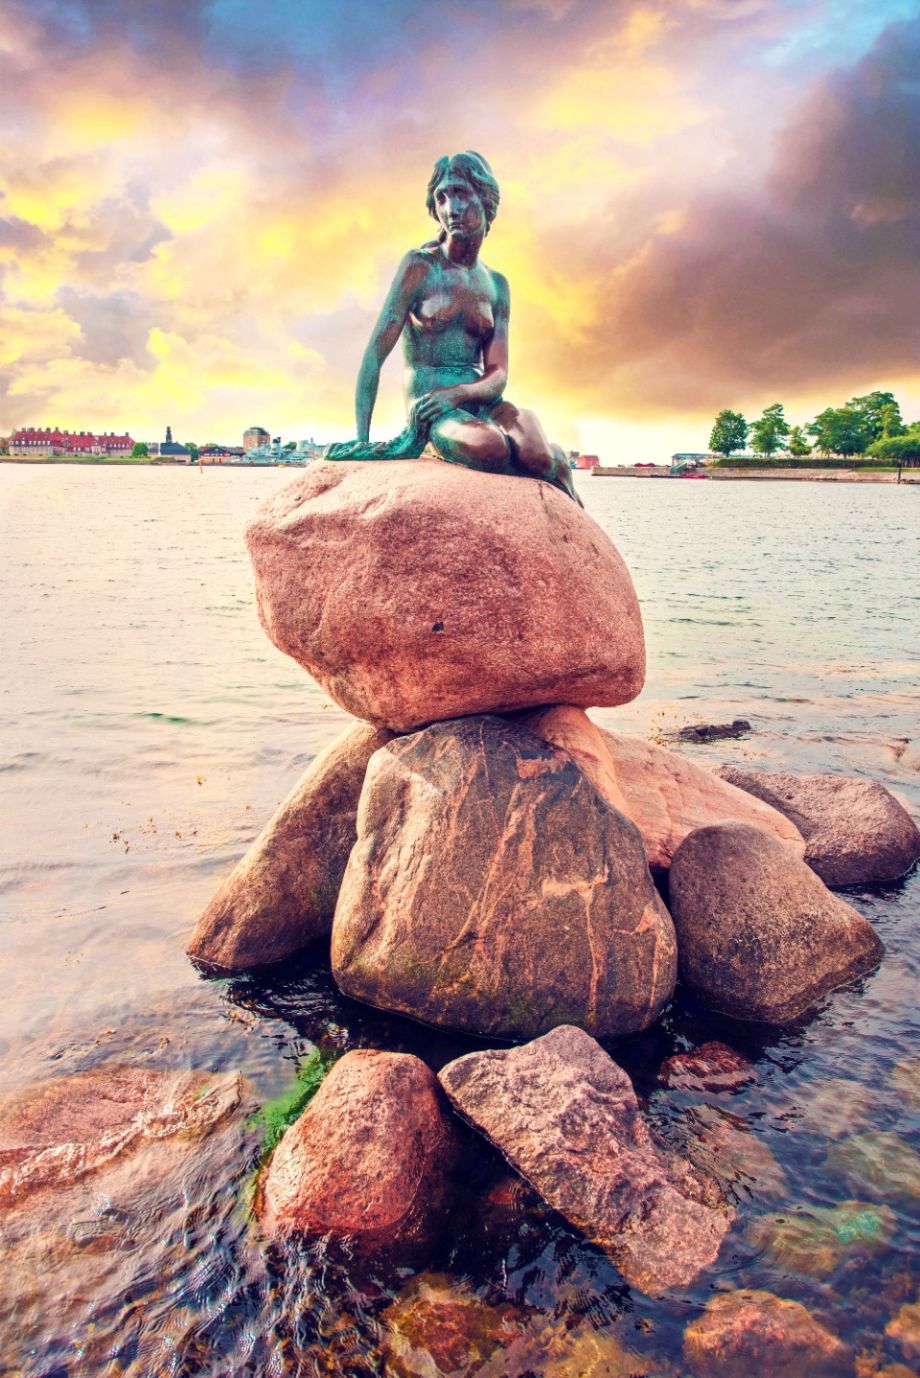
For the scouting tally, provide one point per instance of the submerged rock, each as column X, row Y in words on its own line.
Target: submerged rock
column 566, row 1117
column 905, row 1329
column 855, row 831
column 492, row 890
column 60, row 1131
column 724, row 1148
column 712, row 1067
column 760, row 936
column 816, row 1240
column 747, row 1333
column 439, row 1328
column 879, row 1163
column 665, row 794
column 387, row 584
column 368, row 1162
column 281, row 896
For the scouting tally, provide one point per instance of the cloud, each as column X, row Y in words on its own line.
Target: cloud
column 812, row 279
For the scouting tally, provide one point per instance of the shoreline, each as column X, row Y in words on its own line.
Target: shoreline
column 908, row 478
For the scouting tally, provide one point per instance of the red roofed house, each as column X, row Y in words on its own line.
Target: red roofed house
column 31, row 443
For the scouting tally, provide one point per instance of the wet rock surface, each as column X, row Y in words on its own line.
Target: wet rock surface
column 386, row 583
column 713, row 732
column 281, row 895
column 760, row 936
column 752, row 1332
column 879, row 1163
column 712, row 1067
column 566, row 1117
column 815, row 1241
column 856, row 832
column 69, row 1128
column 665, row 794
column 369, row 1162
column 492, row 890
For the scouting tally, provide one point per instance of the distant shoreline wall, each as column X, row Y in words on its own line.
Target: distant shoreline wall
column 908, row 476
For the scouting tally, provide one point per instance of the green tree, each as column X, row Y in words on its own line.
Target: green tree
column 880, row 413
column 291, row 445
column 798, row 445
column 769, row 432
column 140, row 450
column 840, row 431
column 193, row 450
column 728, row 433
column 897, row 447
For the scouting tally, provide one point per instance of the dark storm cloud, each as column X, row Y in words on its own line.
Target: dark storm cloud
column 814, row 279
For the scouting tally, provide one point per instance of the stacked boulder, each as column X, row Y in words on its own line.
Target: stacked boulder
column 483, row 857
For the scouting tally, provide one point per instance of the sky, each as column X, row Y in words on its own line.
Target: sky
column 704, row 204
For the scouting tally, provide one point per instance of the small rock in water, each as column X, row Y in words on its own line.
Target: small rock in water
column 439, row 1328
column 712, row 1067
column 905, row 1328
column 906, row 1082
column 389, row 585
column 760, row 937
column 836, row 1107
column 815, row 1241
column 855, row 831
column 722, row 1147
column 281, row 896
column 368, row 1162
column 713, row 732
column 665, row 793
column 566, row 1117
column 60, row 1131
column 753, row 1334
column 493, row 890
column 878, row 1163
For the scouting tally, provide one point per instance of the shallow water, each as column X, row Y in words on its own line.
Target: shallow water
column 148, row 729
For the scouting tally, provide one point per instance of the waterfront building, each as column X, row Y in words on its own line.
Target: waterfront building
column 255, row 436
column 168, row 449
column 33, row 443
column 220, row 454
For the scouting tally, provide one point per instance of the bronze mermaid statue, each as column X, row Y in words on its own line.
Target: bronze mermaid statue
column 452, row 313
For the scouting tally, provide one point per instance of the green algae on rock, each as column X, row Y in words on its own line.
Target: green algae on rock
column 814, row 1241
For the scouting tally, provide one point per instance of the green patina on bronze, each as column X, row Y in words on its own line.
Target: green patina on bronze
column 452, row 312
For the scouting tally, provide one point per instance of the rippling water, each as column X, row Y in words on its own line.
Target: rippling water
column 149, row 728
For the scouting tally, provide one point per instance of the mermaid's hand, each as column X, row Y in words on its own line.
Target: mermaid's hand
column 344, row 449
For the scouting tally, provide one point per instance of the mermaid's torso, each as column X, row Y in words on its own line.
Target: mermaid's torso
column 450, row 322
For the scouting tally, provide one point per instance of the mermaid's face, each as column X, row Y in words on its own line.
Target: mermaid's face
column 458, row 207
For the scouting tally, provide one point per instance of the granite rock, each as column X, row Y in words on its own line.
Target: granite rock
column 566, row 1117
column 744, row 1333
column 760, row 936
column 281, row 896
column 665, row 793
column 855, row 831
column 60, row 1131
column 418, row 591
column 368, row 1162
column 493, row 890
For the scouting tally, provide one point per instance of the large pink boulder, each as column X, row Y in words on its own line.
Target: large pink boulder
column 281, row 895
column 665, row 794
column 493, row 890
column 415, row 591
column 566, row 1117
column 369, row 1162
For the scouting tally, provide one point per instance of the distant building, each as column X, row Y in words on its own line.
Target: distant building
column 255, row 435
column 32, row 443
column 220, row 454
column 168, row 449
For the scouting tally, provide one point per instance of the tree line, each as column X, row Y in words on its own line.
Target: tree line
column 870, row 425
